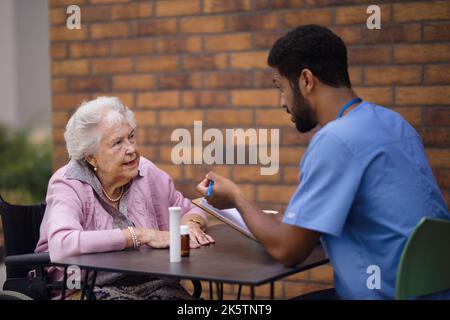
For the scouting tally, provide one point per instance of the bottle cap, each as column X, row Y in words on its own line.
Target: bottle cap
column 184, row 229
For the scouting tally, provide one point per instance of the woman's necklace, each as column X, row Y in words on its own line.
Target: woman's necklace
column 111, row 199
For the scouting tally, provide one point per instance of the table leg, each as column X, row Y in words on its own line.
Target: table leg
column 83, row 288
column 272, row 291
column 63, row 292
column 239, row 292
column 252, row 292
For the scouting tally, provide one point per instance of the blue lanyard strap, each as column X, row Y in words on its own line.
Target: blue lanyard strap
column 347, row 105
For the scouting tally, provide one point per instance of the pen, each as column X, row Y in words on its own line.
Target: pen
column 210, row 188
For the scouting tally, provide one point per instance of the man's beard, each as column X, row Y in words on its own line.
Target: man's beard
column 302, row 113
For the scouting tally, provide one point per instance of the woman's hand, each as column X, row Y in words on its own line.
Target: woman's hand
column 197, row 236
column 153, row 238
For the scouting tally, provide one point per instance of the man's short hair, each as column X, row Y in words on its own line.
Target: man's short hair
column 315, row 48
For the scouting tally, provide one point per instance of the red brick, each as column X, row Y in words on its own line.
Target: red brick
column 157, row 27
column 111, row 66
column 419, row 11
column 59, row 85
column 134, row 82
column 392, row 75
column 350, row 35
column 161, row 99
column 58, row 51
column 91, row 14
column 310, row 16
column 291, row 156
column 64, row 101
column 60, row 157
column 437, row 74
column 64, row 34
column 436, row 32
column 263, row 21
column 435, row 137
column 70, row 68
column 266, row 39
column 355, row 74
column 177, row 7
column 145, row 118
column 229, row 118
column 60, row 3
column 393, row 34
column 207, row 24
column 438, row 158
column 291, row 175
column 369, row 55
column 260, row 98
column 274, row 193
column 290, row 136
column 249, row 60
column 359, row 15
column 59, row 119
column 180, row 118
column 90, row 84
column 252, row 174
column 57, row 16
column 442, row 177
column 200, row 99
column 58, row 135
column 420, row 53
column 215, row 6
column 205, row 61
column 322, row 274
column 157, row 64
column 196, row 172
column 436, row 116
column 263, row 79
column 379, row 95
column 132, row 11
column 106, row 1
column 180, row 81
column 110, row 30
column 436, row 95
column 132, row 47
column 232, row 42
column 229, row 79
column 83, row 50
column 179, row 45
column 276, row 4
column 272, row 118
column 412, row 114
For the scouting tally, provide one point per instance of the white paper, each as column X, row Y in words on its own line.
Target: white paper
column 174, row 234
column 232, row 216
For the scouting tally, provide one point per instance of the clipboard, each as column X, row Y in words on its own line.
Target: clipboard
column 231, row 217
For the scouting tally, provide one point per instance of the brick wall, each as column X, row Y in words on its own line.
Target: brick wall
column 174, row 62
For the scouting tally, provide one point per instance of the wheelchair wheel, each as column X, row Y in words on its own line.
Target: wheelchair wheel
column 13, row 295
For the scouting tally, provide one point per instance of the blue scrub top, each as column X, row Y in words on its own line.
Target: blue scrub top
column 365, row 183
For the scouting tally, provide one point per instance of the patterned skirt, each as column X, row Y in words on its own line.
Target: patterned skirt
column 139, row 288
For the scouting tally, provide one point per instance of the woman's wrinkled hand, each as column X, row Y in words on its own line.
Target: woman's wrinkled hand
column 153, row 238
column 197, row 236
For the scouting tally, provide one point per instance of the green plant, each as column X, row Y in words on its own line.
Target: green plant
column 25, row 167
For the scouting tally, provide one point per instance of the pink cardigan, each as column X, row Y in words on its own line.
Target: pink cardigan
column 75, row 222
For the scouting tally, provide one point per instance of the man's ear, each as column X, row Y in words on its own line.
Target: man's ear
column 306, row 81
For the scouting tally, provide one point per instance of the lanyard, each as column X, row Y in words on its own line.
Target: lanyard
column 348, row 104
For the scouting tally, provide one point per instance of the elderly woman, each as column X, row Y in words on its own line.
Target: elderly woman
column 109, row 198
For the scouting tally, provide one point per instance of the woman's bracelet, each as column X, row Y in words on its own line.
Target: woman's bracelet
column 136, row 242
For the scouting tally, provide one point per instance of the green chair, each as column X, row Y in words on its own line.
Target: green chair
column 424, row 266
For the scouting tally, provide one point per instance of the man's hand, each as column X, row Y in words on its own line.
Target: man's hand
column 224, row 191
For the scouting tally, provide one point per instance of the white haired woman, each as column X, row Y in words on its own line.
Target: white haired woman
column 109, row 198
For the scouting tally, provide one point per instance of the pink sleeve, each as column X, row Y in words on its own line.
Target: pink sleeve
column 63, row 223
column 176, row 199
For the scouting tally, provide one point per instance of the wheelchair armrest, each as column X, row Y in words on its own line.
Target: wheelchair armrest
column 28, row 260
